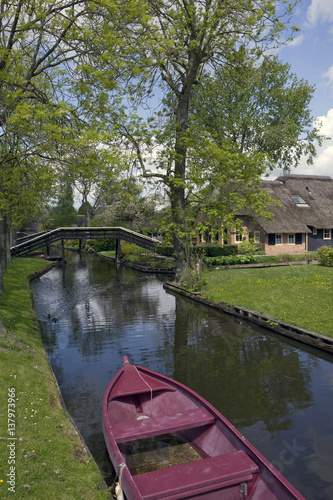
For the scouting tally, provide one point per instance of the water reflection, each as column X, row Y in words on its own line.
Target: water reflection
column 278, row 395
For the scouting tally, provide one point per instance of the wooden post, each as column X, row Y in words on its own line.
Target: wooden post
column 48, row 248
column 118, row 250
column 62, row 250
column 80, row 245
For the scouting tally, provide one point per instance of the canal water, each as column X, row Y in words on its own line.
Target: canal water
column 278, row 393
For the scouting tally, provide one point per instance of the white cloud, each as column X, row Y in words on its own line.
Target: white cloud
column 320, row 10
column 325, row 123
column 324, row 162
column 329, row 75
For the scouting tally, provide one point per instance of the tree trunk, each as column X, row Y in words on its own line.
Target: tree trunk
column 177, row 185
column 9, row 239
column 3, row 249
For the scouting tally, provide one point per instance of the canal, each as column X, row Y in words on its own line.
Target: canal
column 278, row 393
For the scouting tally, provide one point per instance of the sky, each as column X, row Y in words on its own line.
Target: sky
column 310, row 55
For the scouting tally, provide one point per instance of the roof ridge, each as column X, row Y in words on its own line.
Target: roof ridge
column 304, row 176
column 271, row 181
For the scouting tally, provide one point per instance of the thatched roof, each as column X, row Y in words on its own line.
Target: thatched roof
column 316, row 192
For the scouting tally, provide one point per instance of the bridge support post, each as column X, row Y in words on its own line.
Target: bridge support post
column 80, row 246
column 48, row 247
column 62, row 250
column 118, row 250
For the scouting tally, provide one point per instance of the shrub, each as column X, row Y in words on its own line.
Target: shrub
column 325, row 256
column 166, row 250
column 199, row 251
column 131, row 259
column 247, row 247
column 103, row 245
column 230, row 260
column 127, row 248
column 221, row 250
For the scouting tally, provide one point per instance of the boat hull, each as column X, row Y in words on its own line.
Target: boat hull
column 167, row 442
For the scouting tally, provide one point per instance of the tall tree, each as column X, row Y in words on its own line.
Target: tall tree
column 41, row 44
column 172, row 43
column 37, row 42
column 262, row 107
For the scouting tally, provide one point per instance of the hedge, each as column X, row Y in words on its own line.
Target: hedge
column 229, row 260
column 208, row 251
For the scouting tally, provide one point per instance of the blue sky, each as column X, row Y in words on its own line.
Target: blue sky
column 311, row 58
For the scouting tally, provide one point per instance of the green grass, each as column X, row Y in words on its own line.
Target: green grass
column 50, row 461
column 108, row 253
column 300, row 295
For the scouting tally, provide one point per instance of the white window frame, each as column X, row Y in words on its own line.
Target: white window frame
column 328, row 235
column 314, row 231
column 238, row 236
column 291, row 239
column 256, row 237
column 277, row 237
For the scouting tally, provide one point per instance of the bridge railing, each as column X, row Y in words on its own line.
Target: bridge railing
column 87, row 233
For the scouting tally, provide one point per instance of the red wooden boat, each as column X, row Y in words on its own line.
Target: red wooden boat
column 167, row 442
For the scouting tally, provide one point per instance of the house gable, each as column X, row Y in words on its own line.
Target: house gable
column 306, row 202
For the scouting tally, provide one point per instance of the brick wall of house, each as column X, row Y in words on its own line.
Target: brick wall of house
column 284, row 248
column 249, row 228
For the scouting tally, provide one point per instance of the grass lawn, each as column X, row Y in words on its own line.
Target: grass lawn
column 39, row 449
column 300, row 295
column 108, row 253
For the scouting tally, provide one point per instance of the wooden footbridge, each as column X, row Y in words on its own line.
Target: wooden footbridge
column 36, row 243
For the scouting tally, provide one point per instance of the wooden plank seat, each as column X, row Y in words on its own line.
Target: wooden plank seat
column 192, row 478
column 139, row 429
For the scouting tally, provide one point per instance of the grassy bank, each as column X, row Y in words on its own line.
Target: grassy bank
column 42, row 454
column 300, row 295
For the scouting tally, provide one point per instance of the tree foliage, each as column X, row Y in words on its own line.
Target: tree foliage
column 76, row 74
column 134, row 213
column 259, row 107
column 38, row 41
column 64, row 213
column 41, row 46
column 175, row 43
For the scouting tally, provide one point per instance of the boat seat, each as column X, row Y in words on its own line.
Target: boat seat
column 193, row 478
column 139, row 429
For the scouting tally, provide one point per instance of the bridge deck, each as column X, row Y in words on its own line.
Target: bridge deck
column 84, row 233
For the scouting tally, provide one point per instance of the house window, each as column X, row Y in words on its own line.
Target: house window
column 314, row 231
column 298, row 200
column 256, row 237
column 327, row 234
column 275, row 239
column 225, row 236
column 278, row 239
column 239, row 236
column 291, row 239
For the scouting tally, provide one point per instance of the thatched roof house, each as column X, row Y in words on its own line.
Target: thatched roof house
column 303, row 222
column 302, row 218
